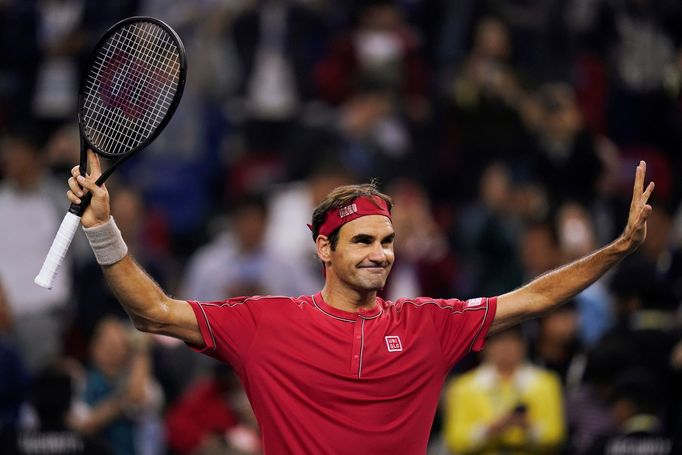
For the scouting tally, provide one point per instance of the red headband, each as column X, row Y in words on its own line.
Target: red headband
column 361, row 206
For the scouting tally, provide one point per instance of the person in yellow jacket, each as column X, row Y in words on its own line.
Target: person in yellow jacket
column 506, row 405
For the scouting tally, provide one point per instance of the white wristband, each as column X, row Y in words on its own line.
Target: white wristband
column 106, row 242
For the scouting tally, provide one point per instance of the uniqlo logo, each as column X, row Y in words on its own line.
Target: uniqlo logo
column 393, row 344
column 474, row 302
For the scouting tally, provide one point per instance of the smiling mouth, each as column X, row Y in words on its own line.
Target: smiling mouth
column 373, row 268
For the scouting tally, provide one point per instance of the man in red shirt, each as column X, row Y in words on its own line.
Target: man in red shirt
column 342, row 371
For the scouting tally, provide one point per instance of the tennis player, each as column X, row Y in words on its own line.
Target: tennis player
column 342, row 371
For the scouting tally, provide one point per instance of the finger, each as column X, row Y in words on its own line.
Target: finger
column 647, row 193
column 72, row 197
column 90, row 185
column 94, row 164
column 76, row 171
column 75, row 187
column 639, row 181
column 644, row 215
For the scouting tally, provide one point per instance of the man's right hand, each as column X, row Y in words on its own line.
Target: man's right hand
column 98, row 211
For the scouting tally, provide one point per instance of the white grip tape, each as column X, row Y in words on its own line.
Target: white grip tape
column 60, row 245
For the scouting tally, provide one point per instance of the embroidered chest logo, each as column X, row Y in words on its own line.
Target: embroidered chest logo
column 393, row 344
column 348, row 210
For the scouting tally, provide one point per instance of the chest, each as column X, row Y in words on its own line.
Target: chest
column 373, row 359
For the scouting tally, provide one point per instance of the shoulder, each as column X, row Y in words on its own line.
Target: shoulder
column 453, row 305
column 540, row 377
column 257, row 300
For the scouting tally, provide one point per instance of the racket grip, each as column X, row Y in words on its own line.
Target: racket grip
column 60, row 245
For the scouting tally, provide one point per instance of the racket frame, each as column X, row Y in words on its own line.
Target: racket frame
column 78, row 209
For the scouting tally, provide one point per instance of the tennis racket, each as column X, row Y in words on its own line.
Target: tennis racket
column 129, row 92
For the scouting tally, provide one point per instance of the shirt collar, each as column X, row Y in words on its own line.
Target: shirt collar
column 347, row 316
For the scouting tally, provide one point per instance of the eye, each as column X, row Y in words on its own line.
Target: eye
column 388, row 240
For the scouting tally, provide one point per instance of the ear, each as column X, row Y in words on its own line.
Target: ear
column 323, row 248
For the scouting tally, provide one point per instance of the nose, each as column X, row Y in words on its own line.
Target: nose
column 378, row 254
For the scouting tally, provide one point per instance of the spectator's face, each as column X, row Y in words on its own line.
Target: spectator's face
column 506, row 351
column 110, row 347
column 364, row 253
column 496, row 187
column 250, row 227
column 539, row 252
column 561, row 325
column 17, row 159
column 492, row 39
column 576, row 233
column 385, row 18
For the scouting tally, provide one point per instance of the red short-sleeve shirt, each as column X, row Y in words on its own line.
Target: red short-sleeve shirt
column 326, row 381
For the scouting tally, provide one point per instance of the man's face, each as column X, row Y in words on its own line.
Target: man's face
column 364, row 253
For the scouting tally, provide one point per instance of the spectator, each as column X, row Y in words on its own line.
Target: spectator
column 20, row 52
column 539, row 33
column 645, row 317
column 178, row 171
column 51, row 400
column 426, row 265
column 587, row 405
column 482, row 120
column 253, row 268
column 539, row 248
column 31, row 210
column 62, row 43
column 506, row 405
column 557, row 347
column 577, row 236
column 381, row 49
column 208, row 414
column 564, row 155
column 488, row 232
column 640, row 39
column 14, row 380
column 636, row 409
column 366, row 135
column 121, row 400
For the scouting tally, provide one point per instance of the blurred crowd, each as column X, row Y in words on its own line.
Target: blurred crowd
column 507, row 131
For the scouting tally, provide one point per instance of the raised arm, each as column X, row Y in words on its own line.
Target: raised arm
column 148, row 306
column 558, row 286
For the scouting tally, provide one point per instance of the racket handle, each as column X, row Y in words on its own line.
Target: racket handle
column 60, row 245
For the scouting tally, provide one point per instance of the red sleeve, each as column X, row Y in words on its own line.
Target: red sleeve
column 462, row 325
column 228, row 328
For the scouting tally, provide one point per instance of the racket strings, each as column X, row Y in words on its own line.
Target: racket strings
column 137, row 83
column 130, row 88
column 134, row 79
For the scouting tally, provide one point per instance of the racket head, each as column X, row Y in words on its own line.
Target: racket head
column 132, row 85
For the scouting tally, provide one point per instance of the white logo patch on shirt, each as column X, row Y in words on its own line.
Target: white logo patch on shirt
column 393, row 343
column 474, row 302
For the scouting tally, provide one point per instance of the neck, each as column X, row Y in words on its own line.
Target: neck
column 506, row 371
column 346, row 299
